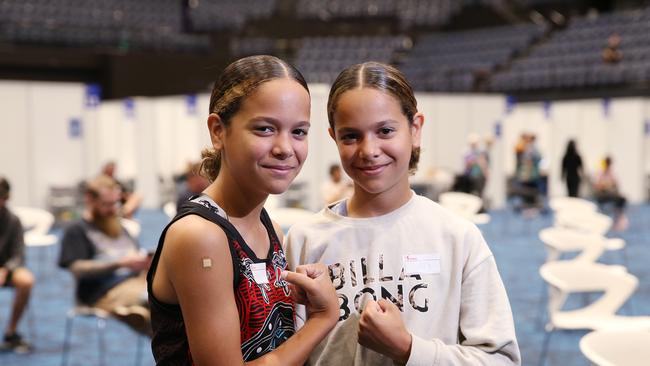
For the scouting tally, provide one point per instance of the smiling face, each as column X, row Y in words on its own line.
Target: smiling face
column 265, row 143
column 375, row 141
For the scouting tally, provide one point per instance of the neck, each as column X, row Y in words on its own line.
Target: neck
column 239, row 203
column 366, row 204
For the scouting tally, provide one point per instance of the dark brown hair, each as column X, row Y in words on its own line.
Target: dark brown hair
column 4, row 188
column 384, row 78
column 237, row 81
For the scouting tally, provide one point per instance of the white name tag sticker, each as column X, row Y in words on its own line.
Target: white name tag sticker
column 259, row 273
column 421, row 264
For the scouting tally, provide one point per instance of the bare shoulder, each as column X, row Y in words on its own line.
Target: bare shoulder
column 193, row 238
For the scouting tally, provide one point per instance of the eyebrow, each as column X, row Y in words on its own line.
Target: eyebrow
column 375, row 125
column 276, row 121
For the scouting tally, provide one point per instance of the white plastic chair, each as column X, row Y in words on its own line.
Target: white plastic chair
column 36, row 224
column 466, row 205
column 566, row 277
column 287, row 216
column 617, row 348
column 572, row 204
column 170, row 209
column 132, row 227
column 559, row 240
column 590, row 222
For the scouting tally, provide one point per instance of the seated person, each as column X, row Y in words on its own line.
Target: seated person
column 336, row 187
column 109, row 268
column 195, row 183
column 12, row 270
column 606, row 191
column 130, row 200
column 612, row 53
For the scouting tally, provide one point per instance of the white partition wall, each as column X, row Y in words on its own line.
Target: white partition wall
column 600, row 127
column 41, row 143
column 448, row 121
column 49, row 136
column 15, row 146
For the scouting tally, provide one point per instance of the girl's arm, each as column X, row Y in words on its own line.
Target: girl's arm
column 205, row 294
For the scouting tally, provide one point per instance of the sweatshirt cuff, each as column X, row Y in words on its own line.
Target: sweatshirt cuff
column 423, row 352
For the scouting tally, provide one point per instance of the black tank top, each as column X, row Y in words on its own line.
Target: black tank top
column 266, row 317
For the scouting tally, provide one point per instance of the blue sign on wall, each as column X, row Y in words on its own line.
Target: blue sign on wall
column 190, row 101
column 497, row 129
column 93, row 95
column 74, row 128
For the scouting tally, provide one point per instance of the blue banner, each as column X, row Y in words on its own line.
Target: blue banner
column 93, row 95
column 606, row 102
column 547, row 109
column 190, row 102
column 129, row 108
column 74, row 128
column 497, row 129
column 511, row 101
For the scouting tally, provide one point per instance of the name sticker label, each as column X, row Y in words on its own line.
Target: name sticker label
column 421, row 264
column 259, row 273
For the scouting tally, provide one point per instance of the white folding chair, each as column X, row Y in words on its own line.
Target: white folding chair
column 464, row 204
column 36, row 224
column 132, row 227
column 617, row 347
column 560, row 240
column 170, row 209
column 571, row 204
column 566, row 277
column 591, row 222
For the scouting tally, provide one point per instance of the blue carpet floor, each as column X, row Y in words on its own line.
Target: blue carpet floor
column 513, row 239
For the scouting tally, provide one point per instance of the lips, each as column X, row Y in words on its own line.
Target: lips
column 374, row 169
column 279, row 169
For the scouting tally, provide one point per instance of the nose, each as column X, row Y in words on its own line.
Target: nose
column 282, row 148
column 368, row 148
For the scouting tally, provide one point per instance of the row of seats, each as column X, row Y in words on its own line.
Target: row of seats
column 573, row 57
column 322, row 58
column 408, row 12
column 454, row 61
column 579, row 227
column 122, row 24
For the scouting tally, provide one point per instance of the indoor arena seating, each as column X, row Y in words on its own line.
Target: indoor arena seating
column 408, row 12
column 121, row 24
column 219, row 15
column 453, row 61
column 322, row 58
column 241, row 47
column 572, row 57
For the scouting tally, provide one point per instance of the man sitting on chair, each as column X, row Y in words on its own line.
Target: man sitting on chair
column 12, row 270
column 106, row 261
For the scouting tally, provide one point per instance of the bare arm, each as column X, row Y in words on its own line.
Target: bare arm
column 206, row 297
column 88, row 268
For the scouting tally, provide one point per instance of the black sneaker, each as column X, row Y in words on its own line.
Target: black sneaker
column 16, row 343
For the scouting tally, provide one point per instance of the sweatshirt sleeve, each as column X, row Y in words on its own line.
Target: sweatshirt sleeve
column 486, row 330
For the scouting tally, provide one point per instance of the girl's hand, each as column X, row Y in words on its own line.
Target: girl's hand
column 312, row 287
column 382, row 329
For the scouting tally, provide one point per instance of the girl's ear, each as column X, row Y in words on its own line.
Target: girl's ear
column 217, row 130
column 332, row 134
column 416, row 129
